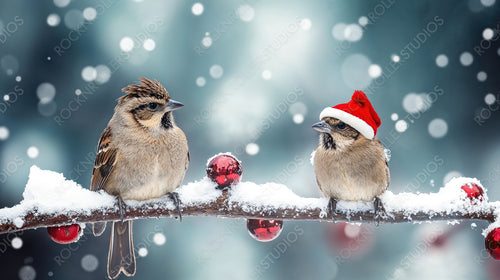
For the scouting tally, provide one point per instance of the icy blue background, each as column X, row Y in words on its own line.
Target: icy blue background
column 293, row 41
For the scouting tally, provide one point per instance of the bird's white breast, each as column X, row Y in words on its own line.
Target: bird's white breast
column 156, row 185
column 341, row 179
column 152, row 171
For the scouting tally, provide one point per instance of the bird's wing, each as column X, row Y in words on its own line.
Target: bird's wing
column 104, row 161
column 188, row 159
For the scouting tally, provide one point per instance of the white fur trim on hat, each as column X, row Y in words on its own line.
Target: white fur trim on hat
column 357, row 123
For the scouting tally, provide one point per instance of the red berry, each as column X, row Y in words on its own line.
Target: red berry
column 264, row 230
column 225, row 170
column 65, row 234
column 492, row 243
column 473, row 191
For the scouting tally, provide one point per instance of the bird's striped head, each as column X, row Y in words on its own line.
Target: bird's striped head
column 148, row 104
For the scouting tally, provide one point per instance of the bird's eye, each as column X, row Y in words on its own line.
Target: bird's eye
column 153, row 106
column 341, row 125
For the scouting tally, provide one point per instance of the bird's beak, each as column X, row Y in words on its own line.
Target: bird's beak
column 322, row 127
column 173, row 105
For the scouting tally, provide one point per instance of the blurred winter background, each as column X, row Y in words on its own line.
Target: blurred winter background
column 254, row 76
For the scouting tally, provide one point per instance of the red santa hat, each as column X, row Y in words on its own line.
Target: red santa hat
column 358, row 113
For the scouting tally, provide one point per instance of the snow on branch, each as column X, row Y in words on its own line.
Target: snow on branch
column 51, row 200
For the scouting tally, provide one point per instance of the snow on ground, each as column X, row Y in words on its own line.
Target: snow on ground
column 50, row 193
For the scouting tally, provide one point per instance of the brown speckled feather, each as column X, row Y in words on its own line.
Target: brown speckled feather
column 104, row 161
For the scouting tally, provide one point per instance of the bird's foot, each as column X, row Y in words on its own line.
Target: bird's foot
column 175, row 197
column 121, row 206
column 332, row 207
column 379, row 210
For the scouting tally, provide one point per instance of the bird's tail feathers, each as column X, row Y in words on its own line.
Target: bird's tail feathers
column 121, row 256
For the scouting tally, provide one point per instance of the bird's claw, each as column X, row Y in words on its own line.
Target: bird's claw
column 121, row 206
column 175, row 198
column 332, row 207
column 379, row 210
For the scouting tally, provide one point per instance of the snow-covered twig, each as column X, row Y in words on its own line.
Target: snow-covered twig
column 51, row 200
column 220, row 208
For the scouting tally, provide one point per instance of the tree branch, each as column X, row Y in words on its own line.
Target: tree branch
column 52, row 200
column 223, row 207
